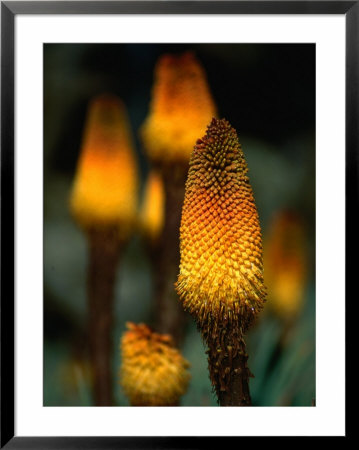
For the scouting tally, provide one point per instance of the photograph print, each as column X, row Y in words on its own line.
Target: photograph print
column 179, row 225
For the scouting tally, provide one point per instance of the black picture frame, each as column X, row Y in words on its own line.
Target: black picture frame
column 9, row 10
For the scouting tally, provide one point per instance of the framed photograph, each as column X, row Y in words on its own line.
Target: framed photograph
column 176, row 182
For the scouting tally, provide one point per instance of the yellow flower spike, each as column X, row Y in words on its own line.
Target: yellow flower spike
column 219, row 231
column 153, row 372
column 152, row 208
column 106, row 183
column 285, row 261
column 180, row 109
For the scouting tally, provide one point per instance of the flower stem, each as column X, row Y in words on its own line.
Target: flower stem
column 227, row 362
column 169, row 316
column 104, row 251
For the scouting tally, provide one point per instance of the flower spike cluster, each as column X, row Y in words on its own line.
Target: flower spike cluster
column 105, row 187
column 180, row 109
column 221, row 270
column 153, row 372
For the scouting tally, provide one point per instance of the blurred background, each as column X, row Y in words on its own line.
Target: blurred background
column 267, row 92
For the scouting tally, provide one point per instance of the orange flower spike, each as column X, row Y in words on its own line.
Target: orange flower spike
column 221, row 272
column 106, row 181
column 152, row 209
column 286, row 264
column 180, row 109
column 153, row 372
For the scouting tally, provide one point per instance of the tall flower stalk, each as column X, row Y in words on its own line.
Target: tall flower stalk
column 221, row 271
column 180, row 109
column 103, row 203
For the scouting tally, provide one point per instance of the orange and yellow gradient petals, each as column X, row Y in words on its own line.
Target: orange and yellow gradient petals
column 221, row 270
column 180, row 109
column 286, row 264
column 106, row 181
column 152, row 208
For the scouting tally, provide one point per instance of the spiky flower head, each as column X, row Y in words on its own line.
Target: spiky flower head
column 180, row 109
column 152, row 208
column 153, row 372
column 106, row 182
column 221, row 271
column 286, row 264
